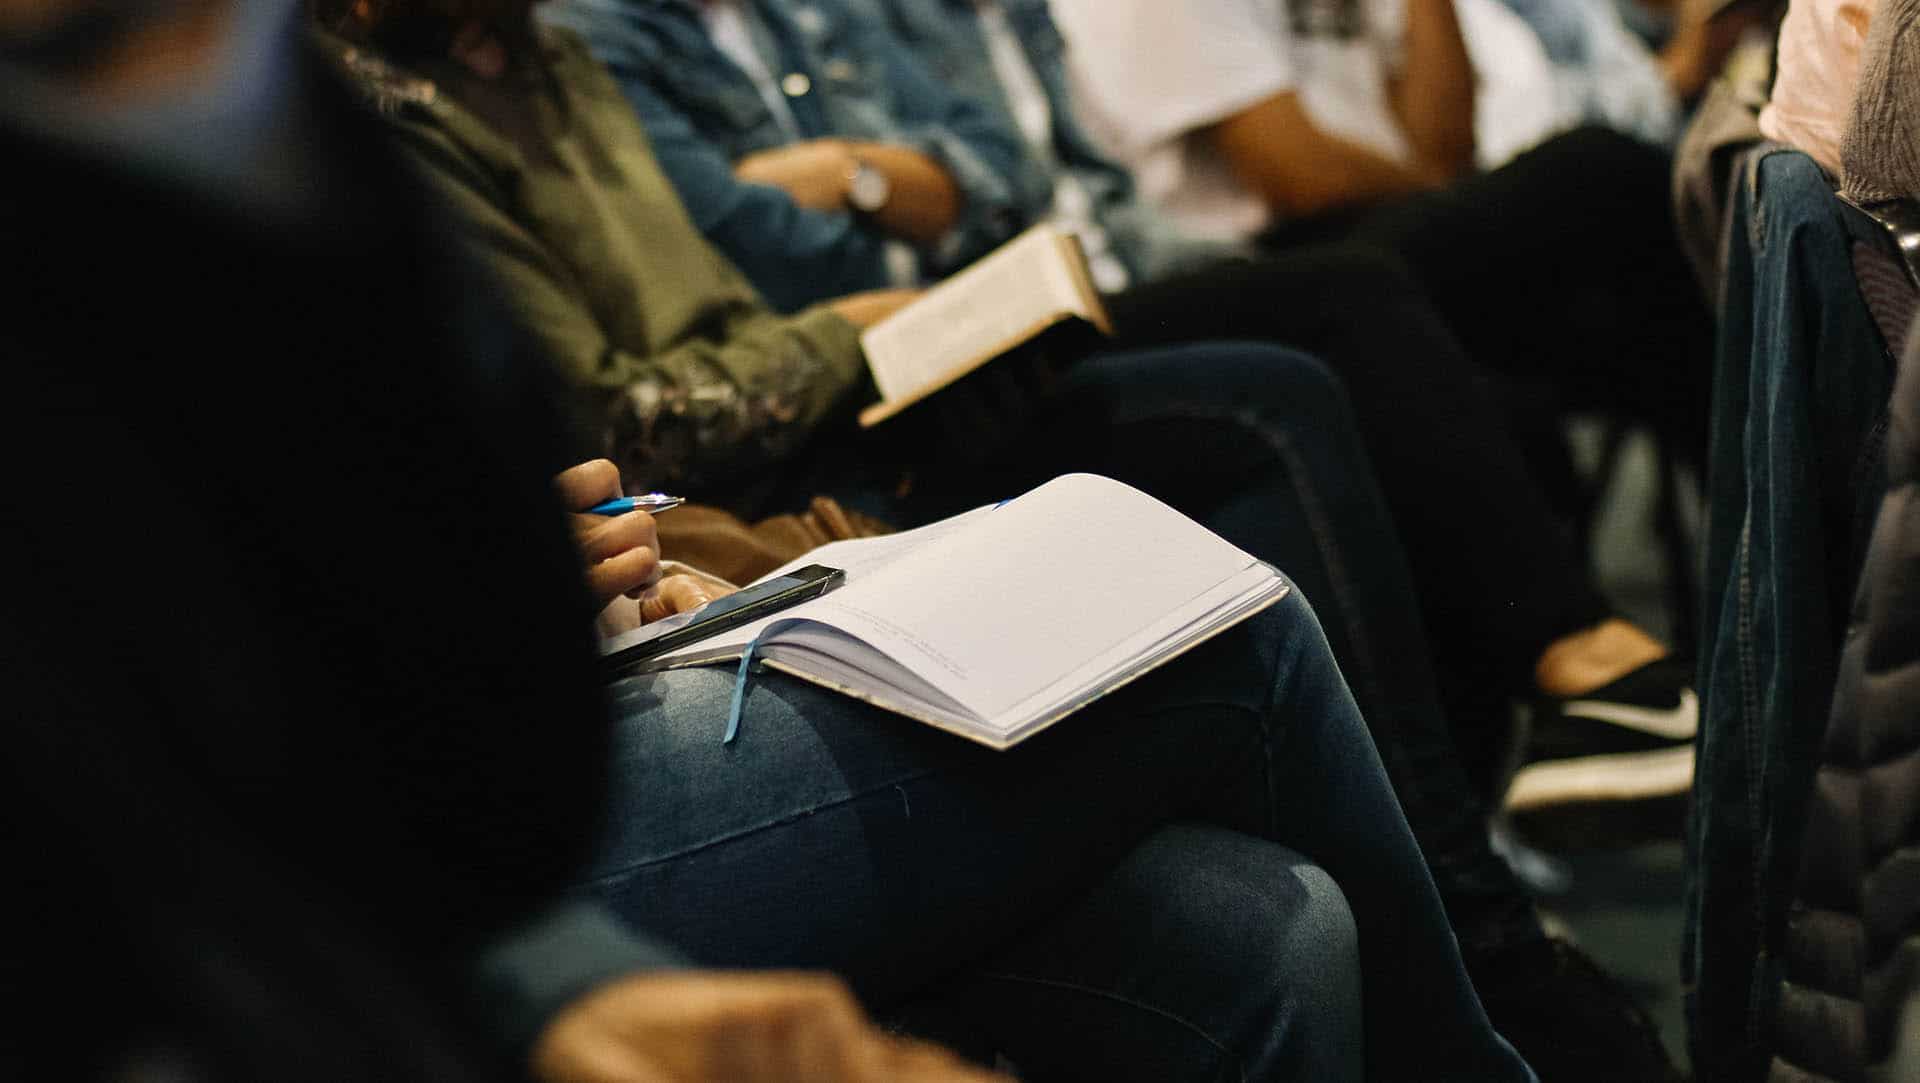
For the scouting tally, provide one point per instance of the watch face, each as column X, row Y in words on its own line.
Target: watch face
column 869, row 189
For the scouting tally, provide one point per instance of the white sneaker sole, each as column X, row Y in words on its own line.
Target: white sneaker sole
column 1627, row 776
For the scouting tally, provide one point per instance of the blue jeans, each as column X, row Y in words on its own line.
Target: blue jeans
column 1126, row 896
column 1796, row 471
column 1261, row 445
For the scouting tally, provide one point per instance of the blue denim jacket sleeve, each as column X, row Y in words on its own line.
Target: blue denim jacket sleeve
column 975, row 142
column 794, row 256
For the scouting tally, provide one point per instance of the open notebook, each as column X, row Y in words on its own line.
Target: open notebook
column 997, row 623
column 1012, row 295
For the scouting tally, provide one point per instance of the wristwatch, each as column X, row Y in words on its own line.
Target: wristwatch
column 868, row 189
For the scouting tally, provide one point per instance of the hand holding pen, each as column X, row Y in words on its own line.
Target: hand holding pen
column 620, row 548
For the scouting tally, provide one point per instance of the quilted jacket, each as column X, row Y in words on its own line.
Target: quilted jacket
column 1849, row 1008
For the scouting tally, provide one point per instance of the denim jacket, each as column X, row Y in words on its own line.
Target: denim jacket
column 1800, row 391
column 702, row 114
column 946, row 37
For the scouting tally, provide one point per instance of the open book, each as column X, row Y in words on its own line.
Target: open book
column 997, row 623
column 1005, row 299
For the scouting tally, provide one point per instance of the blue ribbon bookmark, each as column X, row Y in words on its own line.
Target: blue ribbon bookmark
column 739, row 693
column 746, row 667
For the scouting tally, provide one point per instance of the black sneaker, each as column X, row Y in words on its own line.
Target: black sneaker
column 1631, row 740
column 1570, row 1020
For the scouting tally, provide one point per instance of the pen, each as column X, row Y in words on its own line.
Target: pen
column 649, row 502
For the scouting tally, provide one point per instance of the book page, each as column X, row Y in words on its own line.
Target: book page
column 1004, row 298
column 1049, row 585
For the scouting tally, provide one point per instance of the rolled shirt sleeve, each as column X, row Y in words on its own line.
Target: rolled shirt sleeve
column 980, row 150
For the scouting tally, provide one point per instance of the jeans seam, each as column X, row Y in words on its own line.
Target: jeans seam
column 735, row 836
column 1226, row 1054
column 1750, row 708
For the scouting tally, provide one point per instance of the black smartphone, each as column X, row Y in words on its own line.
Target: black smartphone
column 741, row 607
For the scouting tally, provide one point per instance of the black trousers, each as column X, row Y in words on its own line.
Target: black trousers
column 1561, row 272
column 1465, row 323
column 1497, row 578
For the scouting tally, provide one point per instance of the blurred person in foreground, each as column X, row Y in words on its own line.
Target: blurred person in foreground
column 303, row 720
column 308, row 723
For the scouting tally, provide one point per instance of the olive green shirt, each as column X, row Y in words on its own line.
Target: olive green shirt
column 687, row 373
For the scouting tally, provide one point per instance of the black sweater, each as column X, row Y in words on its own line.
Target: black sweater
column 301, row 713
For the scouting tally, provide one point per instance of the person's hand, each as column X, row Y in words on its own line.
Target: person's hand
column 678, row 594
column 703, row 1027
column 815, row 173
column 621, row 552
column 863, row 310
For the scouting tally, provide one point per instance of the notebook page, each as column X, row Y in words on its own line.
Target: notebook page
column 1044, row 586
column 1255, row 588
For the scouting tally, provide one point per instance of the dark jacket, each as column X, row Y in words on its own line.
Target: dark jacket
column 301, row 712
column 689, row 378
column 1852, row 949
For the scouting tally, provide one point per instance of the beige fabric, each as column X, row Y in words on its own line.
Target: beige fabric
column 724, row 545
column 1705, row 163
column 1880, row 153
column 1819, row 66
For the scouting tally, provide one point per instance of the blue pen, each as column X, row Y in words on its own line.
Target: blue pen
column 648, row 502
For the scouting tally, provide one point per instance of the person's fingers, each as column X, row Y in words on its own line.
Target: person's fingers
column 586, row 1051
column 623, row 573
column 601, row 538
column 597, row 1057
column 674, row 594
column 828, row 1038
column 587, row 484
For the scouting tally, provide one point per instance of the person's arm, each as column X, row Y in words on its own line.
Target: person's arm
column 923, row 203
column 974, row 142
column 1432, row 93
column 1275, row 149
column 794, row 254
column 711, row 407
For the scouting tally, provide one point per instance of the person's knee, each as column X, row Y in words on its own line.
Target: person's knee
column 1272, row 387
column 1276, row 929
column 1325, row 936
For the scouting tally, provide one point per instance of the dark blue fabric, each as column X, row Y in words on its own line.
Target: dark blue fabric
column 702, row 114
column 1801, row 386
column 831, row 834
column 946, row 37
column 1261, row 444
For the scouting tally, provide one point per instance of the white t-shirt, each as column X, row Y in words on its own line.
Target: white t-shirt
column 1150, row 73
